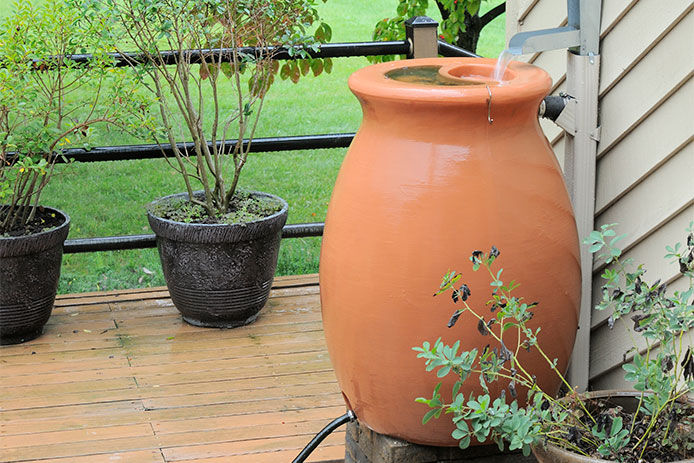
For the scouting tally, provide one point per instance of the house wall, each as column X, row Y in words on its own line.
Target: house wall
column 645, row 159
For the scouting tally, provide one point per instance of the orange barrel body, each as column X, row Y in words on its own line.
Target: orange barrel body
column 434, row 173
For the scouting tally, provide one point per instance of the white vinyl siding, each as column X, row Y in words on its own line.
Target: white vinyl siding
column 645, row 161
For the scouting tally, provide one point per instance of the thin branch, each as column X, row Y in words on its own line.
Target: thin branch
column 445, row 14
column 492, row 14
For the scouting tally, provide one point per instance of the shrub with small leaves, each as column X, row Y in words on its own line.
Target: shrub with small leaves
column 662, row 365
column 212, row 41
column 49, row 102
column 663, row 371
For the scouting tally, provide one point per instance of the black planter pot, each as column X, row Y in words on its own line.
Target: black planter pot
column 628, row 400
column 29, row 273
column 219, row 275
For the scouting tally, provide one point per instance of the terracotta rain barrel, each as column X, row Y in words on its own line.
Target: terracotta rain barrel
column 435, row 172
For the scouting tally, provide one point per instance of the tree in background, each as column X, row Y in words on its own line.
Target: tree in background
column 461, row 23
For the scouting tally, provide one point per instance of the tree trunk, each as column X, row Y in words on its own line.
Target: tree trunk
column 468, row 39
column 473, row 25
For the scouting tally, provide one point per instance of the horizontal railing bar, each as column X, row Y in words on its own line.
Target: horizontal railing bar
column 120, row 243
column 303, row 230
column 258, row 145
column 109, row 243
column 451, row 51
column 326, row 50
column 326, row 141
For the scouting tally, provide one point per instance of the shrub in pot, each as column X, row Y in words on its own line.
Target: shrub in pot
column 218, row 244
column 655, row 422
column 48, row 103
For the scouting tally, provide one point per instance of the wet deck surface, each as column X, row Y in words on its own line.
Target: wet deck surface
column 118, row 377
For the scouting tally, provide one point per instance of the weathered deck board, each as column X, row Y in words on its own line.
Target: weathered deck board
column 117, row 376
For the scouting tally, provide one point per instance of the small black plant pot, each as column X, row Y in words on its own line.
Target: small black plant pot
column 219, row 275
column 29, row 273
column 628, row 400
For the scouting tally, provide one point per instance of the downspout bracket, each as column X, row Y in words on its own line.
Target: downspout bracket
column 567, row 118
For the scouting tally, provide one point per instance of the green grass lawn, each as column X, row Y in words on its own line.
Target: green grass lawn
column 108, row 198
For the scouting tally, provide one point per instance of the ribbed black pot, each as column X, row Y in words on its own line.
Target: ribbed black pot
column 29, row 273
column 219, row 275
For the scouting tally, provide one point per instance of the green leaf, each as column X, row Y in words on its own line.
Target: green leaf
column 456, row 388
column 526, row 450
column 595, row 248
column 507, row 325
column 594, row 237
column 473, row 7
column 295, row 74
column 305, row 66
column 464, row 442
column 429, row 415
column 483, row 383
column 316, row 67
column 285, row 71
column 327, row 32
column 628, row 367
column 401, row 9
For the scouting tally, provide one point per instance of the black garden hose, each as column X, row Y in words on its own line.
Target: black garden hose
column 334, row 424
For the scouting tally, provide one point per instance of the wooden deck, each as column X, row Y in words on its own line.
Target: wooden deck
column 118, row 377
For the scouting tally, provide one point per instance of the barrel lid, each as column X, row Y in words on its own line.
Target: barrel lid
column 468, row 80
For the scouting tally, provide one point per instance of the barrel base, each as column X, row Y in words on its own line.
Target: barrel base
column 363, row 445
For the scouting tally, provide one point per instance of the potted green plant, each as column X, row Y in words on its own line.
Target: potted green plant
column 218, row 244
column 655, row 422
column 48, row 102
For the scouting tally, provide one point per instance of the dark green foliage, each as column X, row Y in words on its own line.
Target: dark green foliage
column 461, row 22
column 49, row 103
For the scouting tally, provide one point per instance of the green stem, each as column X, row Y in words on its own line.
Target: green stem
column 568, row 445
column 636, row 413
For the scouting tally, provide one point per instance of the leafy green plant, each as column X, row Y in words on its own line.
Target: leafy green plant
column 461, row 21
column 662, row 370
column 49, row 102
column 209, row 41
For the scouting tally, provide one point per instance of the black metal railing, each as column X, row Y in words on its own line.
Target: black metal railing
column 326, row 50
column 119, row 243
column 290, row 143
column 449, row 50
column 258, row 145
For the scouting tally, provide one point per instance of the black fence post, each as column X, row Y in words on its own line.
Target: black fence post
column 421, row 35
